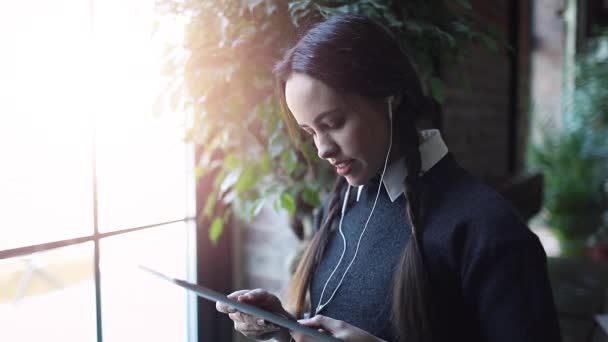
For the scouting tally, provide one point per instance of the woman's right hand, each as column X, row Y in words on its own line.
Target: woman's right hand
column 254, row 327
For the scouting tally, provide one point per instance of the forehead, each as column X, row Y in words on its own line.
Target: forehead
column 307, row 97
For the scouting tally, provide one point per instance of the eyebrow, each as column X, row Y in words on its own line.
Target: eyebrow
column 322, row 116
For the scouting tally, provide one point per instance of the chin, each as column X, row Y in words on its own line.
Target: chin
column 355, row 181
column 358, row 176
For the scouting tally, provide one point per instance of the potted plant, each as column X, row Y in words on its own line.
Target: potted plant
column 574, row 156
column 574, row 178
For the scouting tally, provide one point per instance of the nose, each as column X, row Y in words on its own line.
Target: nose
column 326, row 147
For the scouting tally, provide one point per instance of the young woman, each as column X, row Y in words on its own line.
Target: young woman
column 409, row 247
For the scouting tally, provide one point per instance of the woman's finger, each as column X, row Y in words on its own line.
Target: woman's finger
column 255, row 329
column 258, row 293
column 242, row 318
column 257, row 296
column 224, row 308
column 245, row 318
column 235, row 294
column 236, row 317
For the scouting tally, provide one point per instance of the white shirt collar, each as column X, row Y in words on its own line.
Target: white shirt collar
column 432, row 149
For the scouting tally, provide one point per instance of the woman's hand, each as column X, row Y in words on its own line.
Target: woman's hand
column 335, row 328
column 248, row 325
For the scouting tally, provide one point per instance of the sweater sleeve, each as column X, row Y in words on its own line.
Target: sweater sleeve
column 506, row 286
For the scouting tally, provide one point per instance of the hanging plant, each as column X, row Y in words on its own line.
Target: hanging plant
column 221, row 76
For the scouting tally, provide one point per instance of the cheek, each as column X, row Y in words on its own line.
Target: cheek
column 359, row 143
column 372, row 144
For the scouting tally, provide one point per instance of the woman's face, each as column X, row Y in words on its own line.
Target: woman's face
column 353, row 138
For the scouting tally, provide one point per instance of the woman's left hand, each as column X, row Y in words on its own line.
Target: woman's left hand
column 335, row 328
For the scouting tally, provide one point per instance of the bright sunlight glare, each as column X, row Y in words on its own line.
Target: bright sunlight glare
column 64, row 74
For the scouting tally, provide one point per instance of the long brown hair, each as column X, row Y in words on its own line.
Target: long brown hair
column 355, row 54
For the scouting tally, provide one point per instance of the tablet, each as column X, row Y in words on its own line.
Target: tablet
column 214, row 296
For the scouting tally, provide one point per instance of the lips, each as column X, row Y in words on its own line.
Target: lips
column 343, row 167
column 343, row 163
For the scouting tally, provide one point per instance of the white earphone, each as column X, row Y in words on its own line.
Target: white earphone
column 321, row 305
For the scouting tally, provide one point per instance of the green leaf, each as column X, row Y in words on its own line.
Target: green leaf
column 217, row 227
column 311, row 197
column 265, row 163
column 297, row 10
column 273, row 189
column 276, row 204
column 465, row 3
column 276, row 144
column 289, row 161
column 462, row 28
column 256, row 208
column 199, row 172
column 210, row 204
column 413, row 26
column 437, row 89
column 325, row 10
column 392, row 20
column 445, row 36
column 231, row 161
column 489, row 42
column 288, row 203
column 247, row 180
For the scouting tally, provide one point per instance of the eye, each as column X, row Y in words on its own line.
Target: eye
column 333, row 124
column 309, row 131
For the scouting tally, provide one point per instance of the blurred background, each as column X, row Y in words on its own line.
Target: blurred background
column 145, row 132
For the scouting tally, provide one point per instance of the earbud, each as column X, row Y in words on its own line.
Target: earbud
column 390, row 107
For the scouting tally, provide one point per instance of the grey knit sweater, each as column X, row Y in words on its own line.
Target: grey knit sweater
column 487, row 269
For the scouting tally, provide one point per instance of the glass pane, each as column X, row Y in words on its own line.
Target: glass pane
column 49, row 296
column 141, row 158
column 137, row 306
column 45, row 122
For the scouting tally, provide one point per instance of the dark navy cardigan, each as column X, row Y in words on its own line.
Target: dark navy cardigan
column 488, row 272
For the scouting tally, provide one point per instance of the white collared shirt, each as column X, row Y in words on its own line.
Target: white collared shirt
column 432, row 149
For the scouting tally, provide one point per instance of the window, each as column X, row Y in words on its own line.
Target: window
column 92, row 184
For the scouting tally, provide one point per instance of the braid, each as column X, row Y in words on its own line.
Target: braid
column 411, row 290
column 332, row 212
column 313, row 254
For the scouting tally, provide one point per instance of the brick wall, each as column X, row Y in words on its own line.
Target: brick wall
column 264, row 249
column 476, row 118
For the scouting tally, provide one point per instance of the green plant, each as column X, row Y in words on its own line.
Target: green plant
column 221, row 75
column 574, row 156
column 574, row 176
